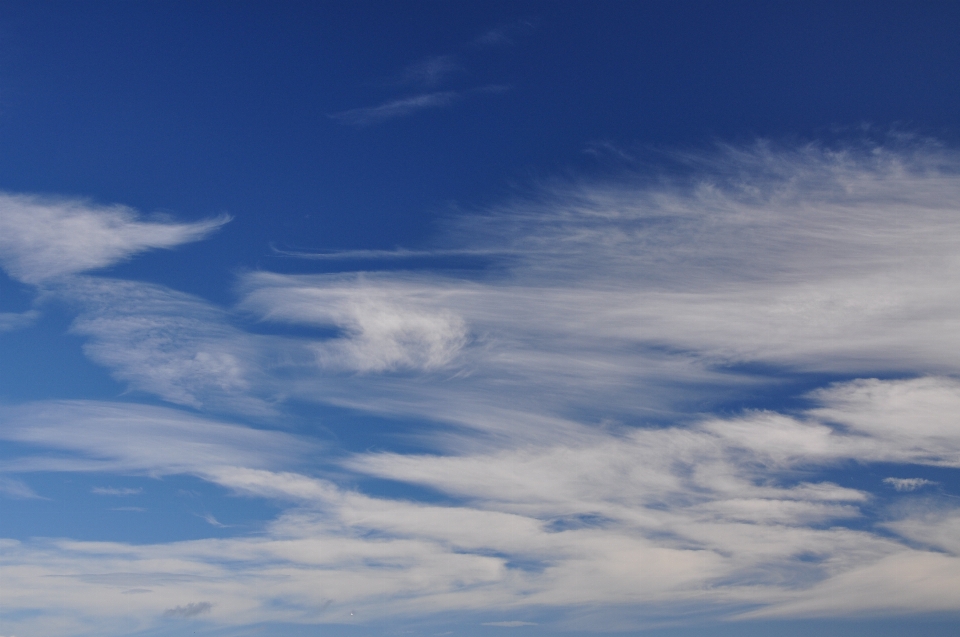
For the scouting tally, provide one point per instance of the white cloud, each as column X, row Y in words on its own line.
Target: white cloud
column 123, row 437
column 916, row 415
column 190, row 352
column 44, row 238
column 908, row 421
column 638, row 518
column 906, row 582
column 626, row 301
column 726, row 472
column 385, row 327
column 190, row 610
column 808, row 259
column 930, row 524
column 168, row 343
column 212, row 521
column 907, row 484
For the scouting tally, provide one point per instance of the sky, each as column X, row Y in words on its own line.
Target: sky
column 479, row 318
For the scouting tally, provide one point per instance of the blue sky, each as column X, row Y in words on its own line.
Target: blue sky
column 442, row 318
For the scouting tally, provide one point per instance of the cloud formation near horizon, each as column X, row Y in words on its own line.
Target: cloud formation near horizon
column 715, row 514
column 562, row 397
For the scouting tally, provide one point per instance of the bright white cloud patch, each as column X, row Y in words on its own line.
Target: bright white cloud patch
column 384, row 327
column 907, row 484
column 565, row 394
column 44, row 238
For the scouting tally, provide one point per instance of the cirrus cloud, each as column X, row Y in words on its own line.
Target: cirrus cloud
column 42, row 238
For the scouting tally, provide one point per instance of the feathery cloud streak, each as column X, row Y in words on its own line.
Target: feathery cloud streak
column 395, row 108
column 429, row 71
column 104, row 436
column 45, row 238
column 402, row 107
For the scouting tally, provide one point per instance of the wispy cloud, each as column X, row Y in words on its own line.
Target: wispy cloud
column 167, row 343
column 44, row 238
column 509, row 624
column 119, row 437
column 399, row 253
column 677, row 280
column 385, row 329
column 393, row 109
column 715, row 513
column 115, row 491
column 17, row 489
column 403, row 107
column 907, row 484
column 428, row 72
column 10, row 321
column 505, row 34
column 212, row 521
column 190, row 610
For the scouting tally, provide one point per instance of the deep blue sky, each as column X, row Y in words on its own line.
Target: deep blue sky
column 673, row 353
